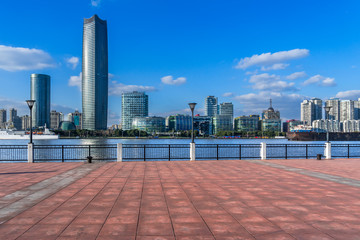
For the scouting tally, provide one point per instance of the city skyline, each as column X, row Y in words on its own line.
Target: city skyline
column 235, row 57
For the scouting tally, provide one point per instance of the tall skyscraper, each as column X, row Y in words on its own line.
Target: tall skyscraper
column 2, row 118
column 12, row 114
column 134, row 104
column 95, row 74
column 211, row 106
column 334, row 113
column 311, row 110
column 40, row 92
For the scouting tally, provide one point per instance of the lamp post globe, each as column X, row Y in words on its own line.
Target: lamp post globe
column 192, row 107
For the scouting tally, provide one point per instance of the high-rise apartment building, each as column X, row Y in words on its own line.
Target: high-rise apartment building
column 40, row 92
column 346, row 110
column 95, row 74
column 357, row 109
column 211, row 106
column 25, row 122
column 55, row 119
column 334, row 113
column 2, row 118
column 133, row 104
column 311, row 110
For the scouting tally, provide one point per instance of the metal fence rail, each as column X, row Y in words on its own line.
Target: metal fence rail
column 227, row 151
column 285, row 151
column 13, row 153
column 66, row 153
column 172, row 152
column 153, row 152
column 345, row 150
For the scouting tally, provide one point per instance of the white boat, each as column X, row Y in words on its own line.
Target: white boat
column 10, row 134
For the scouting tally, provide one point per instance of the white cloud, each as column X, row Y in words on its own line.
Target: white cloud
column 75, row 81
column 255, row 103
column 95, row 3
column 73, row 62
column 265, row 59
column 321, row 81
column 18, row 59
column 228, row 94
column 117, row 89
column 296, row 75
column 169, row 80
column 276, row 66
column 351, row 94
column 266, row 82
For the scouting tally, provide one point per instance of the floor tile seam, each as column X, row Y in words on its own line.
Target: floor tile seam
column 103, row 165
column 207, row 226
column 166, row 202
column 48, row 182
column 141, row 199
column 323, row 176
column 115, row 199
column 273, row 222
column 32, row 192
column 38, row 203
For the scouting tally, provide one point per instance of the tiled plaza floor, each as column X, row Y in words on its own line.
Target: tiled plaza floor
column 222, row 200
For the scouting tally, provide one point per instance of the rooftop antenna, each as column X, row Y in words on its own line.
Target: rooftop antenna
column 270, row 102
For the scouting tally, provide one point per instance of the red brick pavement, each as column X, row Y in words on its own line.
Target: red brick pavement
column 192, row 200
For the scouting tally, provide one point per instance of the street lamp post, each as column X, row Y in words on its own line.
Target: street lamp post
column 30, row 104
column 192, row 107
column 327, row 110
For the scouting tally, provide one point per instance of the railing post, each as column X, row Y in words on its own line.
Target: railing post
column 144, row 152
column 217, row 151
column 285, row 151
column 30, row 152
column 119, row 152
column 62, row 153
column 192, row 151
column 263, row 151
column 169, row 152
column 348, row 150
column 89, row 150
column 239, row 151
column 327, row 150
column 306, row 151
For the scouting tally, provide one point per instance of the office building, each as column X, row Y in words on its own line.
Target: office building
column 151, row 125
column 95, row 74
column 178, row 122
column 271, row 120
column 247, row 123
column 211, row 106
column 226, row 108
column 40, row 92
column 311, row 110
column 133, row 104
column 222, row 123
column 12, row 114
column 204, row 125
column 270, row 113
column 291, row 124
column 55, row 119
column 76, row 118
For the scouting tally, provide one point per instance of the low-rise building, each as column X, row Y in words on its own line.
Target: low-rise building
column 247, row 123
column 149, row 124
column 326, row 126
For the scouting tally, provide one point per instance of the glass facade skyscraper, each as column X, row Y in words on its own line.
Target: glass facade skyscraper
column 95, row 74
column 133, row 104
column 211, row 106
column 40, row 92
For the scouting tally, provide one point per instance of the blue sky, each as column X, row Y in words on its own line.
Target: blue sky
column 182, row 51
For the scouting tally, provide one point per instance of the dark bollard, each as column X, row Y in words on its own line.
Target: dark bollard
column 318, row 157
column 89, row 158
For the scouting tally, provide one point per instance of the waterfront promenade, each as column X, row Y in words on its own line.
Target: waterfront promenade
column 225, row 200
